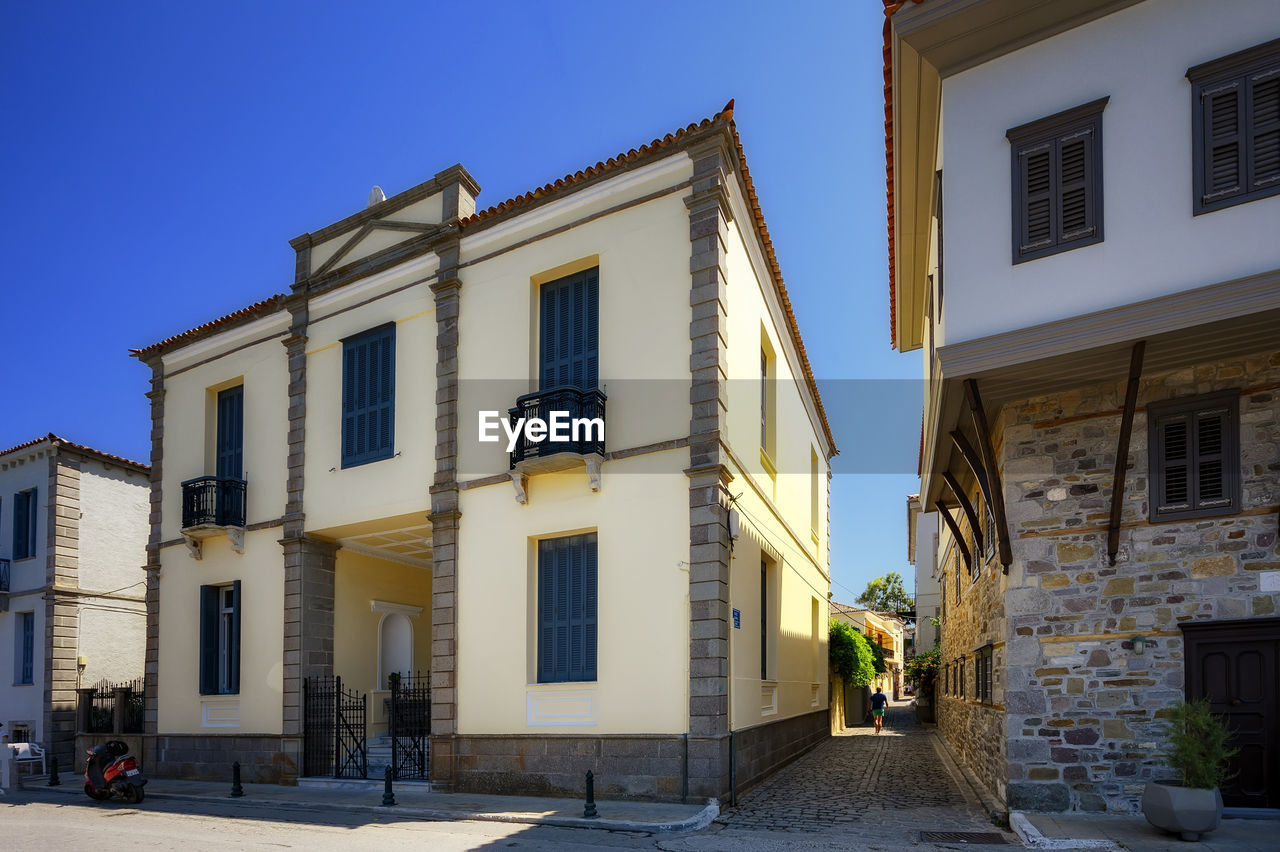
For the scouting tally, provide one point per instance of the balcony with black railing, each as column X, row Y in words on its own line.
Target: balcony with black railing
column 212, row 506
column 568, row 428
column 4, row 585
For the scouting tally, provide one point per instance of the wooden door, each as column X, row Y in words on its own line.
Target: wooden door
column 1237, row 666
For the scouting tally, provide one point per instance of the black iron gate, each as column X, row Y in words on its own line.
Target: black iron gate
column 409, row 725
column 334, row 728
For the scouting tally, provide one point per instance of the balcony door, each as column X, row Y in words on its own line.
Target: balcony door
column 230, row 462
column 570, row 331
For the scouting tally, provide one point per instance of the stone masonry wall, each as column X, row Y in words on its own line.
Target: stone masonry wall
column 1083, row 710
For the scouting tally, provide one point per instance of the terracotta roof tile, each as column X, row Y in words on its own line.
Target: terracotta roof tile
column 267, row 305
column 54, row 439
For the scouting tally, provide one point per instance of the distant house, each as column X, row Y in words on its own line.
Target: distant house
column 886, row 630
column 73, row 534
column 1084, row 203
column 922, row 547
column 340, row 496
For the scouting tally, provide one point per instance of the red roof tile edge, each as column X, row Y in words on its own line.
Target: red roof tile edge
column 52, row 438
column 890, row 6
column 267, row 305
column 725, row 116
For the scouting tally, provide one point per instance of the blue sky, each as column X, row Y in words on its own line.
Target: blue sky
column 159, row 156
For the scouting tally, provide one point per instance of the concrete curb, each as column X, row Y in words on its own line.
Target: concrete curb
column 696, row 822
column 1033, row 839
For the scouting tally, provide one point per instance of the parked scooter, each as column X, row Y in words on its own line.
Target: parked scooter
column 109, row 770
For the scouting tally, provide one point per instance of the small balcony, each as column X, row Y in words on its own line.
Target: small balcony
column 213, row 507
column 572, row 434
column 4, row 585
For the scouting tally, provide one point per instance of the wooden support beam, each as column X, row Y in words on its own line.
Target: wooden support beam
column 963, row 500
column 993, row 472
column 1122, row 451
column 955, row 533
column 971, row 458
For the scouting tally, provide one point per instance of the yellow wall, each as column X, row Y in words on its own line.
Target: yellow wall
column 261, row 633
column 360, row 580
column 642, row 521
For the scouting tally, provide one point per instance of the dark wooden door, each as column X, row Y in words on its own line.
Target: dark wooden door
column 1236, row 665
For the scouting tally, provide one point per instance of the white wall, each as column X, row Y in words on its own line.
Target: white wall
column 114, row 505
column 1152, row 243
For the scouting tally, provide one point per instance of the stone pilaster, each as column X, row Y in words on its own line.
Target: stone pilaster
column 295, row 345
column 709, row 218
column 151, row 664
column 62, row 559
column 309, row 573
column 445, row 519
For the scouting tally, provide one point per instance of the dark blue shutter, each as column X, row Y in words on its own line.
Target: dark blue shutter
column 368, row 396
column 570, row 345
column 235, row 638
column 209, row 640
column 28, row 647
column 20, row 526
column 567, row 606
column 230, row 462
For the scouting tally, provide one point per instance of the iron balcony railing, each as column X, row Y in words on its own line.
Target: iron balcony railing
column 208, row 500
column 581, row 411
column 4, row 575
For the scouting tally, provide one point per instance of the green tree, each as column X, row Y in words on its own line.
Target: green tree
column 885, row 594
column 877, row 656
column 850, row 654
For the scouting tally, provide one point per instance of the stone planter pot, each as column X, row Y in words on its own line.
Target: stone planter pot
column 1182, row 810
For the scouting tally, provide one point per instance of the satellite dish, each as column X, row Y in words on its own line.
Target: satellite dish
column 376, row 196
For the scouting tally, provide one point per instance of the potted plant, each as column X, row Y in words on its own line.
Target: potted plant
column 1199, row 750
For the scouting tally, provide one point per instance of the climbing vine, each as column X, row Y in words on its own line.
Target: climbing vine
column 850, row 654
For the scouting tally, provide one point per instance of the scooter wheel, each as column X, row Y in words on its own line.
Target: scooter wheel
column 94, row 794
column 134, row 795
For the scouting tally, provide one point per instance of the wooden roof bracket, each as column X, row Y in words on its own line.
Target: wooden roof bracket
column 996, row 496
column 955, row 533
column 1122, row 451
column 963, row 500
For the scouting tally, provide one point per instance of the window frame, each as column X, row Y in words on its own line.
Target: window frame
column 1208, row 78
column 1157, row 412
column 24, row 648
column 563, row 304
column 386, row 332
column 1052, row 130
column 30, row 527
column 220, row 649
column 982, row 673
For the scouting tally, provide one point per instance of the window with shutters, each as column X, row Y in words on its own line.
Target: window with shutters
column 24, row 643
column 570, row 332
column 1235, row 128
column 369, row 396
column 229, row 462
column 567, row 603
column 982, row 665
column 1195, row 456
column 1057, row 182
column 25, row 516
column 220, row 639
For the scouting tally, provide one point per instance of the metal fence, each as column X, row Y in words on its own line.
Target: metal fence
column 103, row 702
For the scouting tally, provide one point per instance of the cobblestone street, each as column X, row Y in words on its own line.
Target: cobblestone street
column 858, row 791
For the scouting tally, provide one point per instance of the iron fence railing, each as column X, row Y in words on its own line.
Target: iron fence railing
column 210, row 500
column 106, row 700
column 581, row 411
column 334, row 729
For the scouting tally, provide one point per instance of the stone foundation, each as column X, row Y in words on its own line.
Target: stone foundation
column 263, row 758
column 764, row 749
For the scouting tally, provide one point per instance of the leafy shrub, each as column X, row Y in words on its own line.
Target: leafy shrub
column 922, row 670
column 1199, row 744
column 850, row 654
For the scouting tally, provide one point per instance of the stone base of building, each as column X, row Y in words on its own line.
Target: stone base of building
column 263, row 758
column 764, row 749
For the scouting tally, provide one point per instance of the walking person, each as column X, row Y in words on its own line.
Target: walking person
column 877, row 702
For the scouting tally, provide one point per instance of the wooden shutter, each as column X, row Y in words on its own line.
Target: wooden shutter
column 1038, row 226
column 1263, row 107
column 1221, row 145
column 209, row 640
column 230, row 438
column 21, row 526
column 1195, row 456
column 368, row 396
column 235, row 638
column 28, row 647
column 546, row 611
column 570, row 332
column 567, row 609
column 1075, row 175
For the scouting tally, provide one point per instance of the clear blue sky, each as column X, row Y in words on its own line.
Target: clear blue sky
column 159, row 156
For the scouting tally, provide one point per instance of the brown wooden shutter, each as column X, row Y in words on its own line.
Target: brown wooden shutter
column 1223, row 151
column 1263, row 104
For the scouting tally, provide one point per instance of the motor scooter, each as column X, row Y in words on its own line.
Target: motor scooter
column 109, row 770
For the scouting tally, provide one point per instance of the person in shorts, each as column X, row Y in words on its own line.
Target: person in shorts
column 877, row 702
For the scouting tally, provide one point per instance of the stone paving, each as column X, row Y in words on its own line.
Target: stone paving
column 863, row 790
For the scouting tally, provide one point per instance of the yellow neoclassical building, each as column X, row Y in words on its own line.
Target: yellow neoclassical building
column 496, row 497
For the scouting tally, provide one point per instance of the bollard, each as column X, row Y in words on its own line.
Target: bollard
column 236, row 789
column 54, row 781
column 589, row 812
column 388, row 797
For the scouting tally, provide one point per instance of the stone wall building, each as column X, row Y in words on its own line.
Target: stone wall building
column 1101, row 442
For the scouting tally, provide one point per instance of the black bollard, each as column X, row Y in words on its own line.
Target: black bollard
column 54, row 781
column 589, row 812
column 388, row 797
column 236, row 790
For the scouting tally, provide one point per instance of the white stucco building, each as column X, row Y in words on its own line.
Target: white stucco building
column 73, row 534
